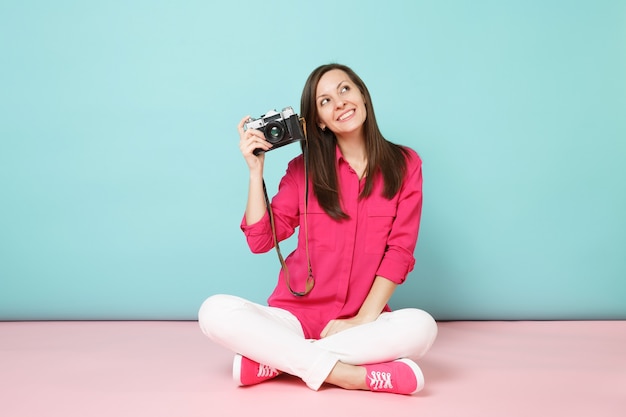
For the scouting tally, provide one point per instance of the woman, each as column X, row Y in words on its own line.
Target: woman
column 357, row 229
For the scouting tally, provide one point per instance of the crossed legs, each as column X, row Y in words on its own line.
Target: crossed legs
column 274, row 337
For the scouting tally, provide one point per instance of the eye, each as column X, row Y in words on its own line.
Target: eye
column 323, row 101
column 344, row 89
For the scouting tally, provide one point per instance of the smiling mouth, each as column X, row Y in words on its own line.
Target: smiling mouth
column 346, row 115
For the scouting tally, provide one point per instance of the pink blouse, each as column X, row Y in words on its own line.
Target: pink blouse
column 346, row 256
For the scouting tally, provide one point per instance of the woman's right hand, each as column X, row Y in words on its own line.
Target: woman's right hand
column 249, row 140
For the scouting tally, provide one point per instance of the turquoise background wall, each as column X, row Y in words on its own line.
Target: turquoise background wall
column 122, row 186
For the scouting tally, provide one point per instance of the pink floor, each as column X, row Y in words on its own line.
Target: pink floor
column 142, row 369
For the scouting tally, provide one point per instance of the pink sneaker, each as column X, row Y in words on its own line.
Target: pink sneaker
column 249, row 372
column 401, row 376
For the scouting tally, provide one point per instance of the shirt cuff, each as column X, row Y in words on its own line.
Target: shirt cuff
column 260, row 228
column 395, row 268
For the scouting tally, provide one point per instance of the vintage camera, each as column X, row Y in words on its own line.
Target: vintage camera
column 280, row 129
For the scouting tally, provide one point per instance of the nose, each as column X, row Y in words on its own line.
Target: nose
column 339, row 103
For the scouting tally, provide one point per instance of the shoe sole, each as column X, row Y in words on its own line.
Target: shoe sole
column 419, row 375
column 237, row 369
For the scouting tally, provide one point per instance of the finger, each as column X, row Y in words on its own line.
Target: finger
column 257, row 133
column 254, row 138
column 249, row 134
column 249, row 140
column 249, row 145
column 241, row 124
column 261, row 146
column 259, row 141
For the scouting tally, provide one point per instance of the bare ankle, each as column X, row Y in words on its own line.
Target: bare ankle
column 347, row 376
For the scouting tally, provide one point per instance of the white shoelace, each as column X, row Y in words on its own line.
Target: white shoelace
column 380, row 380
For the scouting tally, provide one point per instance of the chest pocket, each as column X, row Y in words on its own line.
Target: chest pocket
column 380, row 218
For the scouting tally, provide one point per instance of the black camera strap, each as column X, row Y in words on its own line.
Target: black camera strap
column 310, row 280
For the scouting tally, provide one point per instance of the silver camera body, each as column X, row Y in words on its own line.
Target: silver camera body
column 279, row 128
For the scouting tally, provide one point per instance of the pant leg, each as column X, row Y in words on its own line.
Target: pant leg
column 268, row 335
column 405, row 333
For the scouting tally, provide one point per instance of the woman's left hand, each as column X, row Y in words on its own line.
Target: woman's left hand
column 339, row 325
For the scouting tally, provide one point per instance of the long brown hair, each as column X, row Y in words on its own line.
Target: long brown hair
column 383, row 156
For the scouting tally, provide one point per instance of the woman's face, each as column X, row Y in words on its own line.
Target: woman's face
column 340, row 104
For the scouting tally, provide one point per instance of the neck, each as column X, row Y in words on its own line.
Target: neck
column 352, row 146
column 353, row 152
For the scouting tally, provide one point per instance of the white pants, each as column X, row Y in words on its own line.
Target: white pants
column 274, row 337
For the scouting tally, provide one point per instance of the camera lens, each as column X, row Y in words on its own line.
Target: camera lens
column 274, row 132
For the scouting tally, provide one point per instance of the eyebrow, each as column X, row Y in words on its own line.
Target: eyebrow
column 338, row 85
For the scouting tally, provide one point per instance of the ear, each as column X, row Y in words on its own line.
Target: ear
column 322, row 126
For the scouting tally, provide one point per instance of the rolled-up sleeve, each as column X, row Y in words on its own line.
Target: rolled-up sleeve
column 259, row 234
column 399, row 258
column 285, row 210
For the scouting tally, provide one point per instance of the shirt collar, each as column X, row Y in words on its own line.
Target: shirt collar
column 338, row 154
